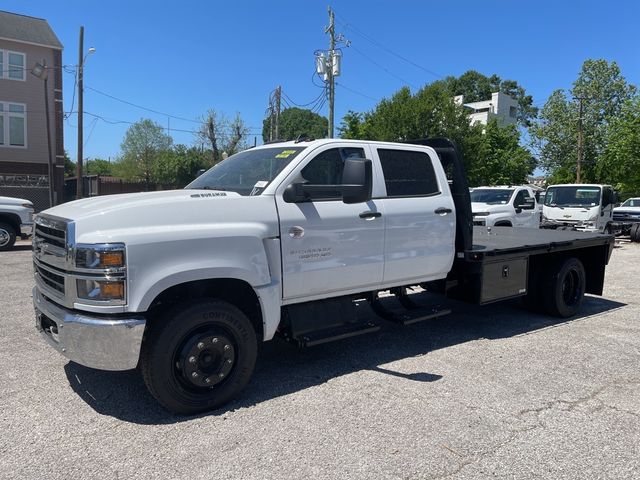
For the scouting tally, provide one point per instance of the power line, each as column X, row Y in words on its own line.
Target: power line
column 382, row 67
column 353, row 28
column 356, row 92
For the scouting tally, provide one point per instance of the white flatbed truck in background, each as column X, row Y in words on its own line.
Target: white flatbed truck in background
column 295, row 239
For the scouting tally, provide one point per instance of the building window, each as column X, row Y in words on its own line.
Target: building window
column 408, row 173
column 13, row 124
column 12, row 65
column 513, row 111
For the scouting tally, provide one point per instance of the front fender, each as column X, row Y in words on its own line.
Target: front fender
column 154, row 268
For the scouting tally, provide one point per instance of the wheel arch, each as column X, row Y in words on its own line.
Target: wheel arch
column 232, row 290
column 12, row 219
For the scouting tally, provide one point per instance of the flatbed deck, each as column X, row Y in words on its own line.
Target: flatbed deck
column 530, row 241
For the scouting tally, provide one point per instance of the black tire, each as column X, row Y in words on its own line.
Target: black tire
column 167, row 364
column 7, row 236
column 635, row 232
column 565, row 287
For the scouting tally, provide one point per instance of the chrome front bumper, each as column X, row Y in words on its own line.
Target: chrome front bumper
column 26, row 229
column 104, row 343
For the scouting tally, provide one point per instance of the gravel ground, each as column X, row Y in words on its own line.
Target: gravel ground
column 491, row 392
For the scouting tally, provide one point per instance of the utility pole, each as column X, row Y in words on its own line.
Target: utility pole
column 79, row 184
column 278, row 97
column 331, row 30
column 580, row 141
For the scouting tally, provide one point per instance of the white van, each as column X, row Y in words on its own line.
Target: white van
column 586, row 207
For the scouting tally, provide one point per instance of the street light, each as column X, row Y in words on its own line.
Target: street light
column 81, row 59
column 40, row 70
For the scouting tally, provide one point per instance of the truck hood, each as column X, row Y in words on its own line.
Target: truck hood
column 127, row 217
column 567, row 214
column 629, row 210
column 13, row 201
column 490, row 207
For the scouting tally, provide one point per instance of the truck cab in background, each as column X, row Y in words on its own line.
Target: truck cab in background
column 587, row 207
column 504, row 207
column 16, row 219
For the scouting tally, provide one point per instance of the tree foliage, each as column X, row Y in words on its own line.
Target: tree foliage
column 620, row 161
column 476, row 87
column 294, row 122
column 492, row 154
column 98, row 166
column 143, row 144
column 603, row 92
column 179, row 165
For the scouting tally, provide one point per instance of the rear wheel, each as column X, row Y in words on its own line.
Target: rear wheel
column 565, row 287
column 635, row 232
column 7, row 236
column 198, row 357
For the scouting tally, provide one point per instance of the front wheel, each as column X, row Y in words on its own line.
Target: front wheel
column 7, row 236
column 198, row 357
column 565, row 287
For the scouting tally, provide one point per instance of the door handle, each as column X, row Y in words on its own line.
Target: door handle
column 442, row 211
column 370, row 215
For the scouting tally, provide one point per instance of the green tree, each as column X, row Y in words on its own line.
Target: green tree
column 98, row 166
column 179, row 165
column 603, row 92
column 294, row 122
column 475, row 87
column 620, row 161
column 491, row 154
column 69, row 166
column 141, row 147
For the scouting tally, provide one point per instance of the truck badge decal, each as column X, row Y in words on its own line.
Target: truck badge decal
column 207, row 195
column 311, row 254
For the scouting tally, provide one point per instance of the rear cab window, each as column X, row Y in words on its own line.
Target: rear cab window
column 408, row 173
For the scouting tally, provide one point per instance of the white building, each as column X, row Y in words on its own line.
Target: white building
column 501, row 106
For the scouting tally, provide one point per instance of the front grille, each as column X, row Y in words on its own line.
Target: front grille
column 53, row 236
column 621, row 217
column 50, row 279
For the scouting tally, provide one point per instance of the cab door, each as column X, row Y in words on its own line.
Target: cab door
column 525, row 209
column 329, row 248
column 420, row 215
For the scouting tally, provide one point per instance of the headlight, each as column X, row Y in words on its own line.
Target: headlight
column 481, row 214
column 107, row 256
column 100, row 290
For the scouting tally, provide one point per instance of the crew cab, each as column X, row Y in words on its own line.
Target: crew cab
column 586, row 207
column 295, row 239
column 626, row 218
column 16, row 219
column 504, row 207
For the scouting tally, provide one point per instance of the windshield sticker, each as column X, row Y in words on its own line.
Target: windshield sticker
column 285, row 154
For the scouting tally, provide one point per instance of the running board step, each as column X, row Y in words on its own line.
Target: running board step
column 410, row 316
column 318, row 337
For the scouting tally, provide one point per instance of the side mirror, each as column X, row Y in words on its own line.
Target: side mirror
column 357, row 180
column 527, row 204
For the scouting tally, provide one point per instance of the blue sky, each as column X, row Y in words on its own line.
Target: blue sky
column 185, row 57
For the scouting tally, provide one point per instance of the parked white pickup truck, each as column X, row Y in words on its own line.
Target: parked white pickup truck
column 16, row 219
column 504, row 207
column 586, row 207
column 294, row 239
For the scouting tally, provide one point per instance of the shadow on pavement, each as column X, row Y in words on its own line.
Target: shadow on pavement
column 283, row 369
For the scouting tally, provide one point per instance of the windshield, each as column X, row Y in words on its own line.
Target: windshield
column 248, row 172
column 577, row 196
column 493, row 196
column 631, row 202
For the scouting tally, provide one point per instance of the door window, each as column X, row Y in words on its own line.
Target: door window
column 326, row 169
column 408, row 173
column 521, row 200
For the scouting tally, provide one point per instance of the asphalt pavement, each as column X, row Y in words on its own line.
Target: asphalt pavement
column 486, row 392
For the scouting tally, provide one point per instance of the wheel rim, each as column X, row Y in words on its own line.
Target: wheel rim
column 571, row 288
column 204, row 359
column 5, row 237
